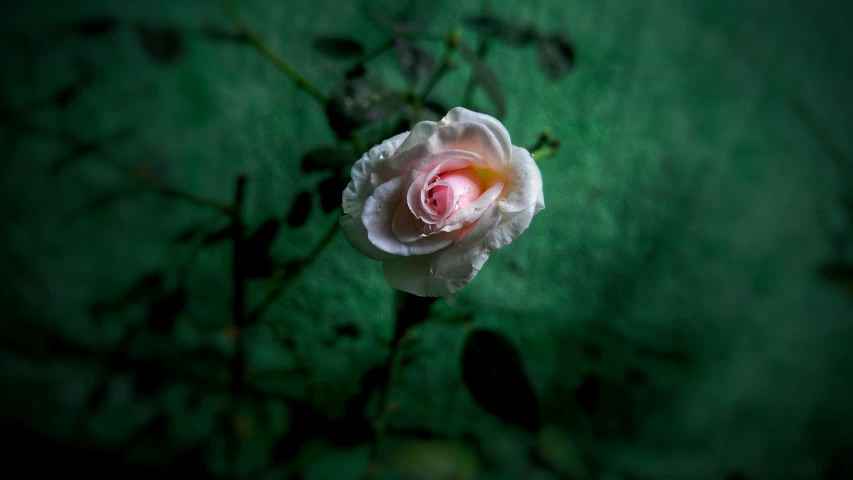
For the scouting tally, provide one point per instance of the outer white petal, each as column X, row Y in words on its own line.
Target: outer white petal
column 377, row 216
column 525, row 182
column 512, row 225
column 488, row 221
column 460, row 114
column 365, row 174
column 413, row 275
column 356, row 234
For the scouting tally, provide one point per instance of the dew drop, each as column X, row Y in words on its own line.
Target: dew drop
column 383, row 155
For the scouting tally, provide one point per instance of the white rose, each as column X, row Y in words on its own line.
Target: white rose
column 433, row 203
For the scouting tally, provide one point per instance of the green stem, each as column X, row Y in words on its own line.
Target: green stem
column 280, row 62
column 545, row 152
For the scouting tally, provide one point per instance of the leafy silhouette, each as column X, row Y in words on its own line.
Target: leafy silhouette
column 487, row 78
column 164, row 310
column 327, row 158
column 330, row 192
column 146, row 287
column 839, row 273
column 300, row 210
column 219, row 235
column 95, row 27
column 556, row 56
column 188, row 234
column 415, row 62
column 360, row 101
column 494, row 374
column 163, row 44
column 256, row 249
column 338, row 47
column 497, row 28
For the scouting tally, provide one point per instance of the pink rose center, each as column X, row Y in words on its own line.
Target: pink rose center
column 448, row 191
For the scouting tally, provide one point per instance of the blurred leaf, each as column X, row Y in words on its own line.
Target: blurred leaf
column 149, row 378
column 222, row 35
column 415, row 62
column 163, row 44
column 164, row 311
column 82, row 150
column 107, row 199
column 436, row 107
column 487, row 78
column 357, row 71
column 217, row 236
column 349, row 330
column 494, row 374
column 94, row 27
column 338, row 47
column 327, row 158
column 300, row 210
column 146, row 287
column 188, row 234
column 395, row 23
column 434, row 460
column 557, row 449
column 665, row 355
column 411, row 310
column 510, row 34
column 556, row 56
column 841, row 274
column 360, row 101
column 331, row 190
column 256, row 249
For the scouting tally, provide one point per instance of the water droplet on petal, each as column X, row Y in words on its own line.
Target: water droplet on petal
column 383, row 155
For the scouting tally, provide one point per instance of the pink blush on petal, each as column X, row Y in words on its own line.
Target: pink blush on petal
column 465, row 184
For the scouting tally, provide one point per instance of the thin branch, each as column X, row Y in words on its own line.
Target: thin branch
column 299, row 79
column 238, row 361
column 298, row 267
column 451, row 41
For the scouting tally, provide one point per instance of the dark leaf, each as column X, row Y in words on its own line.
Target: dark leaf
column 347, row 330
column 588, row 394
column 222, row 35
column 331, row 190
column 256, row 249
column 415, row 62
column 187, row 234
column 164, row 44
column 394, row 22
column 149, row 378
column 841, row 274
column 487, row 79
column 339, row 47
column 436, row 107
column 95, row 27
column 327, row 158
column 510, row 34
column 300, row 210
column 217, row 236
column 401, row 126
column 358, row 102
column 147, row 287
column 592, row 351
column 494, row 374
column 556, row 56
column 164, row 311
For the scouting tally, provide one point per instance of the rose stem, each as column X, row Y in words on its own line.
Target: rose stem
column 280, row 62
column 239, row 311
column 546, row 152
column 482, row 49
column 371, row 55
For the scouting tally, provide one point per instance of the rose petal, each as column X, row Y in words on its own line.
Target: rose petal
column 499, row 132
column 428, row 168
column 413, row 275
column 487, row 222
column 525, row 182
column 470, row 213
column 406, row 226
column 459, row 264
column 512, row 225
column 377, row 216
column 365, row 176
column 356, row 234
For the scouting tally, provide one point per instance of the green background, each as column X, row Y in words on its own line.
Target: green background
column 687, row 214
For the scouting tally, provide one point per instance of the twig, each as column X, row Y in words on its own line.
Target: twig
column 238, row 361
column 299, row 267
column 280, row 62
column 451, row 41
column 482, row 49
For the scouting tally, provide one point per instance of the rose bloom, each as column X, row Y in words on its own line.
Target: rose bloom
column 433, row 203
